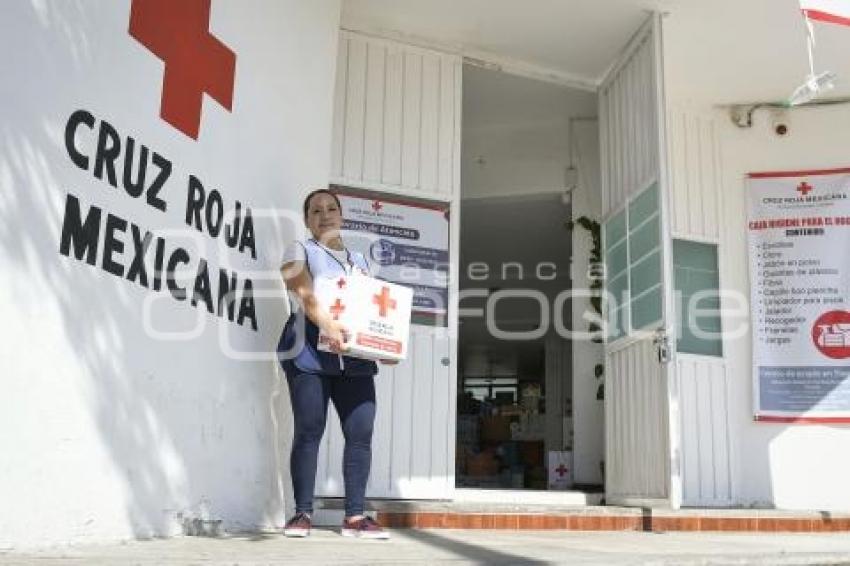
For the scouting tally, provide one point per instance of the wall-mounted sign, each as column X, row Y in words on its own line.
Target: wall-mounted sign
column 799, row 237
column 406, row 241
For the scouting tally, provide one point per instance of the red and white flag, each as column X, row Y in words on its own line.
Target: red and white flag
column 832, row 11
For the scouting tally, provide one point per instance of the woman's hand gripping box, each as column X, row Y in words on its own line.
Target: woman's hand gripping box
column 375, row 313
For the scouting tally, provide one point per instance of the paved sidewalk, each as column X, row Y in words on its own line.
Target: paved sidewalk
column 462, row 547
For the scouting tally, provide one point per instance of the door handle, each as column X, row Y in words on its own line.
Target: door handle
column 662, row 346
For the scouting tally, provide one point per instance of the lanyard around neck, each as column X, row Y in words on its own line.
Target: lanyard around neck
column 350, row 267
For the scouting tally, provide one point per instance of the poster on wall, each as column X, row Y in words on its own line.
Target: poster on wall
column 799, row 243
column 406, row 241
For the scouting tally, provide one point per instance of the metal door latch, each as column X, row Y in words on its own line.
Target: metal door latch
column 662, row 345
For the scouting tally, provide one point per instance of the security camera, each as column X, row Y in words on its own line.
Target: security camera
column 779, row 121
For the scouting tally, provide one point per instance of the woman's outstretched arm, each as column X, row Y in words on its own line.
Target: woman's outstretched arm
column 299, row 281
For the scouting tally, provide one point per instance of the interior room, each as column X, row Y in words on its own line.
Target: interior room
column 524, row 163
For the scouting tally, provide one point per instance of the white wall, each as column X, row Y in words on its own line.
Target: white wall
column 397, row 117
column 589, row 415
column 786, row 466
column 516, row 141
column 108, row 431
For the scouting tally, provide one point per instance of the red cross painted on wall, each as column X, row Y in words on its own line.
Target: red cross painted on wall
column 337, row 309
column 384, row 302
column 561, row 470
column 196, row 62
column 804, row 188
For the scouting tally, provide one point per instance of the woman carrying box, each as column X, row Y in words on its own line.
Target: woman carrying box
column 316, row 377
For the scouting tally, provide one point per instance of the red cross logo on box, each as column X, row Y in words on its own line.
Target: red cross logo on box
column 384, row 302
column 804, row 188
column 562, row 470
column 377, row 206
column 196, row 62
column 337, row 309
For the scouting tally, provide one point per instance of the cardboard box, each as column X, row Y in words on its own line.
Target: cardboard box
column 531, row 453
column 483, row 464
column 495, row 428
column 560, row 469
column 377, row 314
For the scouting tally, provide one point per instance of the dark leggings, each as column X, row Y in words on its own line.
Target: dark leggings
column 354, row 399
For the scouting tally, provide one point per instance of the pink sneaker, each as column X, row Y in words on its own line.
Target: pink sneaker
column 365, row 527
column 298, row 526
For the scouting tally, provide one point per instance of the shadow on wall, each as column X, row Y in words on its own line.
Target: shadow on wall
column 189, row 431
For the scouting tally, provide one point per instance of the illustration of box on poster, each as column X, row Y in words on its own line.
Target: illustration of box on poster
column 406, row 241
column 799, row 234
column 376, row 313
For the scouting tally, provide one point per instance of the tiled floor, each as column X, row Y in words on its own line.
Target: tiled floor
column 647, row 521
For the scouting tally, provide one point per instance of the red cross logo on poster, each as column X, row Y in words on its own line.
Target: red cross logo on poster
column 384, row 302
column 196, row 62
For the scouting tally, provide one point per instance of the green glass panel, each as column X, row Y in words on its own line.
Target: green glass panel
column 695, row 271
column 615, row 230
column 645, row 274
column 646, row 310
column 616, row 267
column 616, row 260
column 695, row 255
column 616, row 323
column 705, row 342
column 618, row 288
column 644, row 240
column 701, row 281
column 643, row 206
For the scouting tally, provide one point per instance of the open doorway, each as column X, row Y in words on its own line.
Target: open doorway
column 529, row 148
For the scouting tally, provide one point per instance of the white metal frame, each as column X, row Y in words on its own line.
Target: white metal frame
column 671, row 415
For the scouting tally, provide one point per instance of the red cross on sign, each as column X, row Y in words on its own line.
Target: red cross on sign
column 196, row 62
column 804, row 188
column 384, row 302
column 562, row 469
column 377, row 206
column 337, row 309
